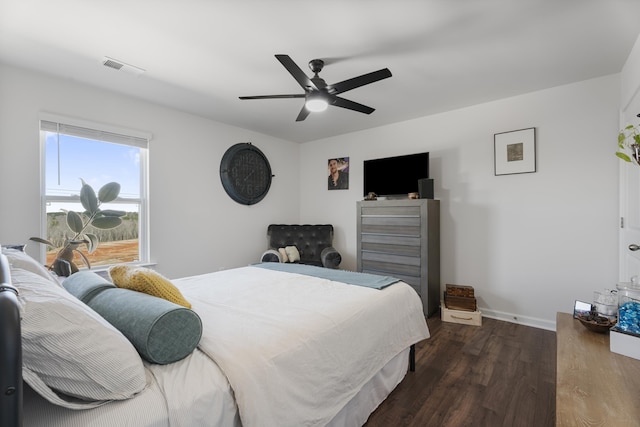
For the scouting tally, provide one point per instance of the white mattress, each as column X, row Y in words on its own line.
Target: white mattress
column 196, row 391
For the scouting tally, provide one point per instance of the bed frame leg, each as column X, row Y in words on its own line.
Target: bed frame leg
column 412, row 358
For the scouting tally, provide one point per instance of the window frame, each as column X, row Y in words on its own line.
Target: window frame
column 142, row 141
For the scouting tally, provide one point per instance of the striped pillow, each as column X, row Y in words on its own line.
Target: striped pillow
column 19, row 259
column 68, row 349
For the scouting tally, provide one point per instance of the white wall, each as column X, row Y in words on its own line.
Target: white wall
column 530, row 244
column 195, row 226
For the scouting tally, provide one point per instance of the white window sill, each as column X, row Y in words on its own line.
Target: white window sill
column 103, row 270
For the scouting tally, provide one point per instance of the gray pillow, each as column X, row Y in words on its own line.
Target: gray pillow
column 161, row 331
column 69, row 349
column 331, row 258
column 271, row 255
column 20, row 259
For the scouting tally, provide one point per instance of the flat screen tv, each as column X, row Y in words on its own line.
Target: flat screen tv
column 394, row 176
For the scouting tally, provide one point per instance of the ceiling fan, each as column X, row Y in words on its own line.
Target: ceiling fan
column 318, row 94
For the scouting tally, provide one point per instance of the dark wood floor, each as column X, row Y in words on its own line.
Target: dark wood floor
column 498, row 374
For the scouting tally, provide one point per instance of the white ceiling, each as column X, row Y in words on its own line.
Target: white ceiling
column 200, row 55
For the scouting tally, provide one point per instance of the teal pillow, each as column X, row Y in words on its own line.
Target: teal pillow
column 161, row 331
column 85, row 285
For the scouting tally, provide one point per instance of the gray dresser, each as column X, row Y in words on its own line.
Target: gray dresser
column 401, row 238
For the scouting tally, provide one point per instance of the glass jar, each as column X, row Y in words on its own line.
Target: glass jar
column 629, row 308
column 606, row 303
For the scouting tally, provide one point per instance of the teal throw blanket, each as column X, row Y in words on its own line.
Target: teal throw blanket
column 350, row 277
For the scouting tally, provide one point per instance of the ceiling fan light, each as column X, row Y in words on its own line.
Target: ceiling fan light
column 316, row 104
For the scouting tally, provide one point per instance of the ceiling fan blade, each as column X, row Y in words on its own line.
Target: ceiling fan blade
column 303, row 114
column 273, row 96
column 293, row 69
column 355, row 82
column 350, row 105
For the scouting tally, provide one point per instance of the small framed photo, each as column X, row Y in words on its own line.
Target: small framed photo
column 515, row 151
column 338, row 170
column 581, row 308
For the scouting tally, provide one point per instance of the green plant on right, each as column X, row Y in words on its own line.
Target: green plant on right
column 629, row 140
column 78, row 223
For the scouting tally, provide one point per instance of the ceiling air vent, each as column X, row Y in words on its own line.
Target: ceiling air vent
column 121, row 66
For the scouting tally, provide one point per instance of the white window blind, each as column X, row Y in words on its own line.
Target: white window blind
column 97, row 134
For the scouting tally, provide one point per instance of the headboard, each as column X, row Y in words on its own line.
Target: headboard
column 10, row 351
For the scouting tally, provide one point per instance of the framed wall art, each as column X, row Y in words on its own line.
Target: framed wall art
column 338, row 169
column 515, row 151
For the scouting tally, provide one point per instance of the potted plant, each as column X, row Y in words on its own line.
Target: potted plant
column 78, row 223
column 629, row 139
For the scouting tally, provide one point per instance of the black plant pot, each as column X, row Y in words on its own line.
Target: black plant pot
column 62, row 267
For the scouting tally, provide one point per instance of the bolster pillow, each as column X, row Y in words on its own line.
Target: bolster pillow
column 271, row 255
column 330, row 257
column 85, row 285
column 161, row 331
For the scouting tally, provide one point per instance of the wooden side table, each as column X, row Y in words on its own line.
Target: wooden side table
column 594, row 386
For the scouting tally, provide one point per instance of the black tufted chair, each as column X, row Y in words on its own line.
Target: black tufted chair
column 314, row 242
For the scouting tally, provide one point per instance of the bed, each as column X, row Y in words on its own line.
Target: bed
column 278, row 347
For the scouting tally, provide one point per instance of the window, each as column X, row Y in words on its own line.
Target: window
column 74, row 151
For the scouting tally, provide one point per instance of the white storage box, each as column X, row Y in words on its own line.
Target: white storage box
column 625, row 344
column 463, row 317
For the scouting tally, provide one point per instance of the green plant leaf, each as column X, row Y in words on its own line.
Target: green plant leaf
column 621, row 139
column 106, row 222
column 74, row 221
column 109, row 192
column 109, row 212
column 39, row 240
column 88, row 198
column 75, row 244
column 92, row 242
column 623, row 156
column 629, row 127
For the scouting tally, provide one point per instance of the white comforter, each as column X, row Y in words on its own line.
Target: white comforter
column 296, row 348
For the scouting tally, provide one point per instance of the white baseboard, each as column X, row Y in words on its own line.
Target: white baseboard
column 521, row 320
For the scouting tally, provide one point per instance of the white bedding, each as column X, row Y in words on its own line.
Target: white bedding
column 296, row 358
column 267, row 372
column 192, row 392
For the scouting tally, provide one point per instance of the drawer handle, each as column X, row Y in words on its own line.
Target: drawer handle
column 461, row 318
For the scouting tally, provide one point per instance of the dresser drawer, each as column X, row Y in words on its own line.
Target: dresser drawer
column 391, row 230
column 400, row 221
column 390, row 210
column 411, row 251
column 390, row 269
column 413, row 281
column 391, row 259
